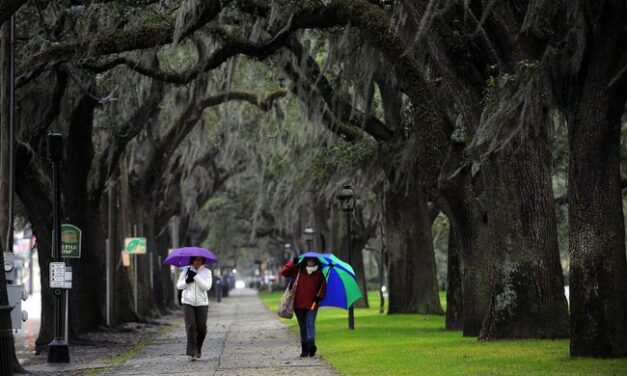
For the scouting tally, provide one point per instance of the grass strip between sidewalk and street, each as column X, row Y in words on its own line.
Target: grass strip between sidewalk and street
column 417, row 344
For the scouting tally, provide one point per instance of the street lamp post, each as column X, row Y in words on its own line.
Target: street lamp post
column 347, row 201
column 309, row 236
column 58, row 349
column 287, row 252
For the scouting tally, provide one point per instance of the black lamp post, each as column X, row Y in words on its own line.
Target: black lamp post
column 58, row 349
column 287, row 252
column 309, row 236
column 347, row 200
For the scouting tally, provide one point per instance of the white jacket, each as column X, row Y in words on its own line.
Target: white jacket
column 195, row 293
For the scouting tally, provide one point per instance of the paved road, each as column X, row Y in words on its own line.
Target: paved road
column 243, row 338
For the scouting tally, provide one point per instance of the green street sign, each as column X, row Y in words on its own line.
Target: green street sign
column 70, row 241
column 135, row 245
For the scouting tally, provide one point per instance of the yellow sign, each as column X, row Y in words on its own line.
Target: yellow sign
column 126, row 259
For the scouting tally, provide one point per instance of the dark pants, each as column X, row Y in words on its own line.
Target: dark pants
column 195, row 327
column 307, row 323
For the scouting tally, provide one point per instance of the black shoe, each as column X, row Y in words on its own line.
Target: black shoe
column 304, row 349
column 312, row 348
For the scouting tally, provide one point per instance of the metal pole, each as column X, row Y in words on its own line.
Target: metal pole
column 112, row 245
column 175, row 242
column 351, row 314
column 108, row 298
column 135, row 279
column 58, row 350
column 7, row 353
column 135, row 270
column 31, row 283
column 56, row 183
column 11, row 187
column 67, row 308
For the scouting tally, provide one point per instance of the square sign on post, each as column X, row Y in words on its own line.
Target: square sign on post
column 135, row 245
column 57, row 275
column 70, row 241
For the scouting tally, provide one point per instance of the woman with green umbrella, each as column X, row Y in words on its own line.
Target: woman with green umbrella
column 310, row 290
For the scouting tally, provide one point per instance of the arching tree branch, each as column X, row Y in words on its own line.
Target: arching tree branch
column 231, row 46
column 168, row 144
column 307, row 76
column 135, row 38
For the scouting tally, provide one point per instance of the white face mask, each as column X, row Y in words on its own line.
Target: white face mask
column 311, row 269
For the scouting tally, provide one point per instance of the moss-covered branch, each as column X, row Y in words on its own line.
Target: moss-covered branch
column 91, row 45
column 263, row 102
column 190, row 117
column 231, row 46
column 308, row 77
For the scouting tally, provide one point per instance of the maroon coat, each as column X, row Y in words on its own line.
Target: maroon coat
column 310, row 286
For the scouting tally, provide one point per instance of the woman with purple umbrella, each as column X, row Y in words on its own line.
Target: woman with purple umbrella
column 194, row 282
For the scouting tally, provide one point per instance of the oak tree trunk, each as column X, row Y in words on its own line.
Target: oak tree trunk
column 470, row 222
column 598, row 274
column 32, row 191
column 526, row 280
column 124, row 293
column 454, row 301
column 598, row 271
column 412, row 277
column 87, row 296
column 156, row 287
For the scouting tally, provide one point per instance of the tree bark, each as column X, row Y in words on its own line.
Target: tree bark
column 322, row 240
column 598, row 274
column 32, row 189
column 412, row 278
column 470, row 223
column 598, row 271
column 156, row 288
column 526, row 279
column 454, row 301
column 85, row 212
column 591, row 86
column 124, row 289
column 164, row 276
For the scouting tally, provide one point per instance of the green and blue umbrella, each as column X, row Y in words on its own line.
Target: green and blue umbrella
column 342, row 288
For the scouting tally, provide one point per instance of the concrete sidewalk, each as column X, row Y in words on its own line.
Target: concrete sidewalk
column 243, row 338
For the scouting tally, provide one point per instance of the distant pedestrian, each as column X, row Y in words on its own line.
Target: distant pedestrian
column 195, row 281
column 310, row 290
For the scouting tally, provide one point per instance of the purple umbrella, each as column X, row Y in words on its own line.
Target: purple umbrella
column 181, row 256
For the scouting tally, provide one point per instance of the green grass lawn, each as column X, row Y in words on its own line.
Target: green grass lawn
column 419, row 345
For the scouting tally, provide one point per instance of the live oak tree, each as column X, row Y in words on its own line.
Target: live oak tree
column 467, row 92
